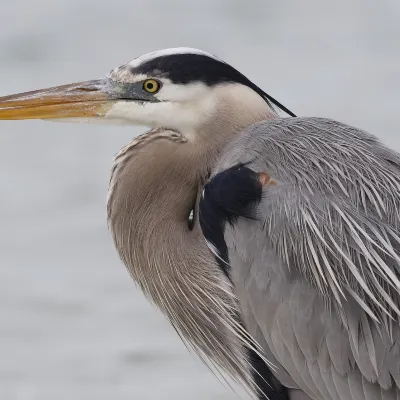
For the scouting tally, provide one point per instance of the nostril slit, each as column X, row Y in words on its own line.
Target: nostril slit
column 86, row 89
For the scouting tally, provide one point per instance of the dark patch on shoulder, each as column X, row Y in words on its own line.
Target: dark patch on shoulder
column 269, row 388
column 231, row 194
column 187, row 68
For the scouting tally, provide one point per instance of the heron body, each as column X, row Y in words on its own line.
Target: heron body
column 294, row 245
column 272, row 245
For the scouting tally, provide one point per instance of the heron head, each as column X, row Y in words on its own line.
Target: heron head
column 179, row 89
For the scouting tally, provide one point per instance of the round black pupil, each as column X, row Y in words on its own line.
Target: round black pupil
column 150, row 86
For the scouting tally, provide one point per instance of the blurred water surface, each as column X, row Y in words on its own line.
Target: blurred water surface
column 72, row 324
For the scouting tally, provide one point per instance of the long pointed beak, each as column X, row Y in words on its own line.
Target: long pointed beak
column 83, row 99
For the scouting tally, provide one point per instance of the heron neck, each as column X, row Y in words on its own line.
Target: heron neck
column 153, row 189
column 152, row 192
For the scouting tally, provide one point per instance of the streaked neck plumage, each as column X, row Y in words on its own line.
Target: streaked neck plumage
column 156, row 181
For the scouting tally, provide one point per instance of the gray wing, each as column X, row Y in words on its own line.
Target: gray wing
column 317, row 274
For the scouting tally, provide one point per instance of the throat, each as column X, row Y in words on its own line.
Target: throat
column 153, row 192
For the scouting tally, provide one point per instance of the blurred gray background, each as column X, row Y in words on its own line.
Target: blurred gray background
column 72, row 324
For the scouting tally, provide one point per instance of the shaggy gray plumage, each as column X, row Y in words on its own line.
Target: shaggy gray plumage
column 317, row 276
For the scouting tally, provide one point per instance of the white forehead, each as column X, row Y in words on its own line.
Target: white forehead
column 168, row 52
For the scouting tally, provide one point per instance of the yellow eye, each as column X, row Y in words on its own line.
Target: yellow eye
column 151, row 86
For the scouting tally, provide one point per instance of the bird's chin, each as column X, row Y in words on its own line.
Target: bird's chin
column 132, row 112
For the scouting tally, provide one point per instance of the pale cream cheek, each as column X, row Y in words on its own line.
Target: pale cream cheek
column 129, row 111
column 148, row 114
column 180, row 116
column 187, row 93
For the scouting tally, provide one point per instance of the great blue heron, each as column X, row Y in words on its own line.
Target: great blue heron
column 271, row 244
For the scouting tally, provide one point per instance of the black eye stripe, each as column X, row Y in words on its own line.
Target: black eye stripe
column 187, row 68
